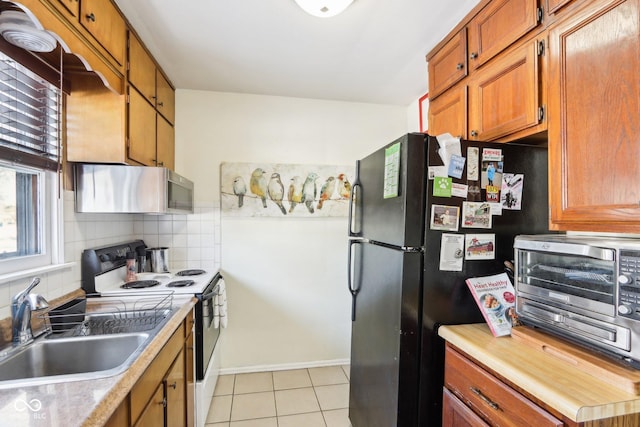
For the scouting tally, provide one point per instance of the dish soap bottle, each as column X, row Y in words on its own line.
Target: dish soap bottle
column 131, row 267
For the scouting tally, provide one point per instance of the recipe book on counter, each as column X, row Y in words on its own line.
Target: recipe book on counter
column 496, row 298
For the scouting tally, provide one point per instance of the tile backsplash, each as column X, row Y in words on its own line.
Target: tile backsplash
column 193, row 241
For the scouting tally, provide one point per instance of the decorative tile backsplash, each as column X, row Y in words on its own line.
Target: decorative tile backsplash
column 193, row 241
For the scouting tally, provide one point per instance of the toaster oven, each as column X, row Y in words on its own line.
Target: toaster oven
column 583, row 288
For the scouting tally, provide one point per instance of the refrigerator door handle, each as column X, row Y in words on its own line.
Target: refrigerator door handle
column 350, row 278
column 354, row 195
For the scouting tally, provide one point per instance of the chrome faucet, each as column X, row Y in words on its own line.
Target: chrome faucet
column 21, row 306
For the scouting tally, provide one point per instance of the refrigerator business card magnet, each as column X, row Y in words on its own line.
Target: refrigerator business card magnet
column 391, row 171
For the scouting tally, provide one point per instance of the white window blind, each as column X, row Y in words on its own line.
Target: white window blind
column 30, row 117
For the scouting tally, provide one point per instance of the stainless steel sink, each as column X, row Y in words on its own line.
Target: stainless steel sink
column 71, row 359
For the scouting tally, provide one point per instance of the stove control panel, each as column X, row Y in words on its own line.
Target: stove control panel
column 97, row 261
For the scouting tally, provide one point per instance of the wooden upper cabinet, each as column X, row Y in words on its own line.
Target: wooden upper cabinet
column 149, row 80
column 554, row 5
column 166, row 98
column 497, row 26
column 142, row 130
column 165, row 143
column 448, row 113
column 504, row 95
column 104, row 22
column 72, row 7
column 448, row 65
column 142, row 69
column 594, row 123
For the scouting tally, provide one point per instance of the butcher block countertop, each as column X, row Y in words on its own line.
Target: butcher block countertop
column 84, row 403
column 573, row 392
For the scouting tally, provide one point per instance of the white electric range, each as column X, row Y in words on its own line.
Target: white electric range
column 103, row 274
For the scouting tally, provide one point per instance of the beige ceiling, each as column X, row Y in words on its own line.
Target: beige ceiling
column 373, row 52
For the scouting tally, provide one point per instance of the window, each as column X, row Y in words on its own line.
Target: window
column 30, row 109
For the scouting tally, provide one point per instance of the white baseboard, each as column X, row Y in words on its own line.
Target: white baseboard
column 283, row 367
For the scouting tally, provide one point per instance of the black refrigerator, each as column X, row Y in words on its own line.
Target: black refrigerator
column 401, row 290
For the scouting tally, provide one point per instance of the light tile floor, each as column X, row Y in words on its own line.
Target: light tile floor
column 314, row 397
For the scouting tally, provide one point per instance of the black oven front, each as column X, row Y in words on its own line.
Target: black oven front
column 206, row 332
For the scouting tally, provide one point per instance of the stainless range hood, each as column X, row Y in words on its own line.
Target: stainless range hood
column 131, row 189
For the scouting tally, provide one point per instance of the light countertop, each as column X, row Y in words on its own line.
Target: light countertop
column 84, row 403
column 572, row 392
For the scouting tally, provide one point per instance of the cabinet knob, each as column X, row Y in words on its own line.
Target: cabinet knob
column 160, row 104
column 473, row 55
column 460, row 66
column 91, row 17
column 160, row 163
column 474, row 133
column 174, row 385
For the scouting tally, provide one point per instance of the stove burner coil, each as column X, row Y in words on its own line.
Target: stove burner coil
column 139, row 284
column 180, row 283
column 194, row 272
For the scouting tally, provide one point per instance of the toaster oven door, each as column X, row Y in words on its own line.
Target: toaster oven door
column 584, row 283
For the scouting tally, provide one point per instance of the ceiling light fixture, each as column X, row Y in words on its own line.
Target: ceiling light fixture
column 324, row 8
column 18, row 29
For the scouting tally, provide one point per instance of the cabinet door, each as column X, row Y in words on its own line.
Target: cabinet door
column 498, row 25
column 104, row 22
column 190, row 378
column 594, row 154
column 448, row 113
column 153, row 414
column 166, row 101
column 142, row 69
column 448, row 65
column 175, row 393
column 142, row 130
column 504, row 95
column 165, row 143
column 457, row 414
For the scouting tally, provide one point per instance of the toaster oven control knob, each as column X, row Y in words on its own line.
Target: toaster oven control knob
column 624, row 309
column 625, row 279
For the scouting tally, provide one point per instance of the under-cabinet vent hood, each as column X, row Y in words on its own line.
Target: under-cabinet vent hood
column 131, row 189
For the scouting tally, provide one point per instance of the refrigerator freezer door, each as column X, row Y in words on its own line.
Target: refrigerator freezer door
column 385, row 337
column 395, row 220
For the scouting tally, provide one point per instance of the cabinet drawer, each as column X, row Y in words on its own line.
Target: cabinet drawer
column 494, row 401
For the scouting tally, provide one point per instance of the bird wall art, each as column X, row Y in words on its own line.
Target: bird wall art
column 285, row 190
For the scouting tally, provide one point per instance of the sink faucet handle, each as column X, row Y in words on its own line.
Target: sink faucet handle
column 34, row 282
column 22, row 294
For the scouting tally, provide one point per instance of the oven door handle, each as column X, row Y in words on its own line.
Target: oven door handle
column 213, row 293
column 216, row 289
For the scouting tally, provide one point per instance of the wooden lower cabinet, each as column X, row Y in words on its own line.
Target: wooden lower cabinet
column 491, row 399
column 163, row 396
column 476, row 396
column 456, row 414
column 175, row 393
column 153, row 414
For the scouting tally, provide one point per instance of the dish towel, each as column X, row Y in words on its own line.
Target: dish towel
column 220, row 307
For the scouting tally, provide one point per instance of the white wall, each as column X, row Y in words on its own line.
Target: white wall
column 286, row 278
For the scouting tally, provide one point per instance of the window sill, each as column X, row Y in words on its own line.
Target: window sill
column 34, row 271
